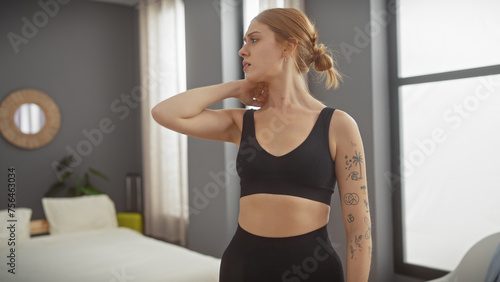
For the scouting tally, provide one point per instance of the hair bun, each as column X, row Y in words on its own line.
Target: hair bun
column 318, row 51
column 322, row 61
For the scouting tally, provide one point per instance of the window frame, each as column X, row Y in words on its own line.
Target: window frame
column 395, row 82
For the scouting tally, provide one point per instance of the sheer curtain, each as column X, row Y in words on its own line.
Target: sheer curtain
column 163, row 74
column 269, row 4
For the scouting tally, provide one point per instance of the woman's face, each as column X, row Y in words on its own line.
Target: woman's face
column 262, row 54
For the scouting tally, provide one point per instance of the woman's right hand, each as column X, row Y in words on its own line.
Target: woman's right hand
column 253, row 94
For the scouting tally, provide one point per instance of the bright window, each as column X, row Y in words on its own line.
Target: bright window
column 447, row 92
column 450, row 136
column 252, row 8
column 445, row 35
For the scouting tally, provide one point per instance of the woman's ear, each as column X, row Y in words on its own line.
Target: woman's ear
column 290, row 46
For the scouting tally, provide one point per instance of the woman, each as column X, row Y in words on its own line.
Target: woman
column 291, row 152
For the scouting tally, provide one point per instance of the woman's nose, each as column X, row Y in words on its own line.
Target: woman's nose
column 243, row 52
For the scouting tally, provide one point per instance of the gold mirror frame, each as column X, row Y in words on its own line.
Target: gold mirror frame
column 9, row 129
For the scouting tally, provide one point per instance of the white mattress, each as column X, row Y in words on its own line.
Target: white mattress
column 113, row 255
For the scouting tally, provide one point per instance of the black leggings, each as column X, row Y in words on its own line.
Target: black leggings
column 308, row 257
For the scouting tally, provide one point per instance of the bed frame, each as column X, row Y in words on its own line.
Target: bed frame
column 39, row 227
column 131, row 220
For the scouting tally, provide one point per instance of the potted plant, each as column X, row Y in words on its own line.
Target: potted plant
column 81, row 185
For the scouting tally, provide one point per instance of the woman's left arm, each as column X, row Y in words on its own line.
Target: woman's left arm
column 351, row 177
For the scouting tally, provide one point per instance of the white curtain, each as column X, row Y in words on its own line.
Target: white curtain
column 163, row 74
column 269, row 4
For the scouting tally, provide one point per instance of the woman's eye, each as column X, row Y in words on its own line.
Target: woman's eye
column 253, row 40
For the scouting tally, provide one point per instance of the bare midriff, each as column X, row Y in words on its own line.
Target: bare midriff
column 270, row 215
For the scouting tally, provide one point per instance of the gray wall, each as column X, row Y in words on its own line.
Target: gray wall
column 84, row 57
column 207, row 186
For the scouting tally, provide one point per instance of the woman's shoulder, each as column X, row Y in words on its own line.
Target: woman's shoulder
column 343, row 123
column 237, row 115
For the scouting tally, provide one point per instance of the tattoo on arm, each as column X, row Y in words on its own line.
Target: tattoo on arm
column 351, row 199
column 350, row 218
column 369, row 230
column 356, row 161
column 357, row 245
column 357, row 240
column 363, row 188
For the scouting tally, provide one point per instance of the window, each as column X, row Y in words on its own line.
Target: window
column 252, row 8
column 250, row 11
column 445, row 94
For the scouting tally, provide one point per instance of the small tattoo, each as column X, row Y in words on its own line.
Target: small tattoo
column 356, row 160
column 354, row 144
column 357, row 240
column 353, row 250
column 368, row 232
column 366, row 205
column 363, row 188
column 350, row 218
column 348, row 163
column 351, row 199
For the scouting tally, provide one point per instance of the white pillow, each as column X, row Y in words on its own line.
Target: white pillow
column 22, row 226
column 76, row 214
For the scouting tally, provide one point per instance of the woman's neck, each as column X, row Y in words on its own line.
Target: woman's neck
column 287, row 92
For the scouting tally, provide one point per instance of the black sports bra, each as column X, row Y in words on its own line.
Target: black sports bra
column 308, row 171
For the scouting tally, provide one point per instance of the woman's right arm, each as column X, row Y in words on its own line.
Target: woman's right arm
column 187, row 112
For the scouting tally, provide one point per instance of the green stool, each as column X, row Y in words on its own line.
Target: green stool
column 132, row 220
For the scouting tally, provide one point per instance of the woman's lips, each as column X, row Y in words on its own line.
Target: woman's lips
column 246, row 65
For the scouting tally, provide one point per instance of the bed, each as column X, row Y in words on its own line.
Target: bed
column 93, row 254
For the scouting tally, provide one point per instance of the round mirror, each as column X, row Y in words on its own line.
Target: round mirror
column 29, row 118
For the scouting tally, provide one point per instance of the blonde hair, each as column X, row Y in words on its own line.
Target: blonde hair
column 289, row 24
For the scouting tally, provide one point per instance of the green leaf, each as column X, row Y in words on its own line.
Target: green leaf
column 91, row 190
column 99, row 174
column 82, row 185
